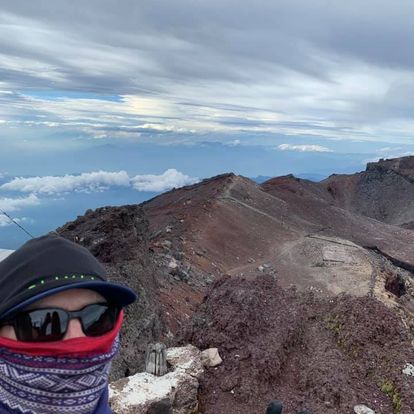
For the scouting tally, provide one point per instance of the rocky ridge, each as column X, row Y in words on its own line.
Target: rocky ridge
column 284, row 234
column 383, row 191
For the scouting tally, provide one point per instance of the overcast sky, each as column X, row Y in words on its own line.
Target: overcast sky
column 138, row 69
column 317, row 78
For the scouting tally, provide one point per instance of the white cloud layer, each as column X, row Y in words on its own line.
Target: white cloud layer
column 4, row 252
column 95, row 182
column 5, row 221
column 11, row 205
column 169, row 179
column 303, row 148
column 85, row 182
column 15, row 204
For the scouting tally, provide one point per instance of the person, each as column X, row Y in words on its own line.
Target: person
column 60, row 322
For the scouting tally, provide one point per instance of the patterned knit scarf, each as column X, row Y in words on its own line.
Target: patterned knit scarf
column 50, row 380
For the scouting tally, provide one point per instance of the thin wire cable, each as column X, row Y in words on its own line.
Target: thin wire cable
column 17, row 224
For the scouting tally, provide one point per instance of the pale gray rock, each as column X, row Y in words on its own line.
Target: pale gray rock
column 409, row 370
column 174, row 393
column 210, row 357
column 363, row 409
column 173, row 264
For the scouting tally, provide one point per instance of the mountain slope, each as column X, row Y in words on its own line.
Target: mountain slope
column 230, row 224
column 385, row 191
column 175, row 248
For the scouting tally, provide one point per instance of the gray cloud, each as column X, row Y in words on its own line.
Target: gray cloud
column 281, row 33
column 294, row 67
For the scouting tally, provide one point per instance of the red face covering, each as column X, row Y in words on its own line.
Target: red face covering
column 82, row 346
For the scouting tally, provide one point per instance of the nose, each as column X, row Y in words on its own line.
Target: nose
column 74, row 329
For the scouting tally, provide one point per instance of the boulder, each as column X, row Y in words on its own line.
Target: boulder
column 210, row 357
column 173, row 393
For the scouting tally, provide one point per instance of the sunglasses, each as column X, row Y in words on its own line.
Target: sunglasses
column 51, row 324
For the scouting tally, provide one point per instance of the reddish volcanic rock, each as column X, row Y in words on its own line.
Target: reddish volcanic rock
column 403, row 166
column 118, row 236
column 323, row 355
column 385, row 191
column 228, row 223
column 312, row 345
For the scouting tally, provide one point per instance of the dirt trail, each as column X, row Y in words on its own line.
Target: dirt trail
column 280, row 252
column 323, row 264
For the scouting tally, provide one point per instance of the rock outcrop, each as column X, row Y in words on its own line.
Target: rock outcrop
column 383, row 192
column 176, row 392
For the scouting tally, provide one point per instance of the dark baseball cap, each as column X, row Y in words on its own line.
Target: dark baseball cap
column 50, row 264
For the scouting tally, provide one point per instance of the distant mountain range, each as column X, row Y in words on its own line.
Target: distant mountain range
column 312, row 177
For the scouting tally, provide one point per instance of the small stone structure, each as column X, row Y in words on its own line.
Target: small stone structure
column 173, row 393
column 156, row 359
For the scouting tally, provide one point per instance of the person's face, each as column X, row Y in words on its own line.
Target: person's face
column 73, row 299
